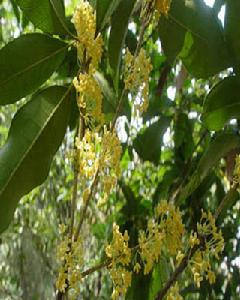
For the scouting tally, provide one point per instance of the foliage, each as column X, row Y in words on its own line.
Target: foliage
column 92, row 137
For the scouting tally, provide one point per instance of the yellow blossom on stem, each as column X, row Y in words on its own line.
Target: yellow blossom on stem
column 120, row 255
column 171, row 224
column 109, row 163
column 89, row 98
column 150, row 245
column 89, row 45
column 137, row 70
column 70, row 256
column 88, row 154
column 118, row 250
column 212, row 244
column 193, row 240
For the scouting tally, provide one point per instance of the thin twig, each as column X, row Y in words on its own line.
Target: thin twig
column 96, row 268
column 176, row 273
column 225, row 201
column 85, row 206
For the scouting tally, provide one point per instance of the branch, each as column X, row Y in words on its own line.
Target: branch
column 163, row 79
column 192, row 251
column 177, row 272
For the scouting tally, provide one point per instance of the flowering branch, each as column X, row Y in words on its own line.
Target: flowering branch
column 191, row 251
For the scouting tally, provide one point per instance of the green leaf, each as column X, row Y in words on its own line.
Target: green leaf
column 231, row 198
column 204, row 50
column 171, row 34
column 47, row 15
column 232, row 30
column 139, row 288
column 222, row 103
column 105, row 9
column 148, row 142
column 35, row 135
column 26, row 63
column 119, row 28
column 160, row 275
column 217, row 149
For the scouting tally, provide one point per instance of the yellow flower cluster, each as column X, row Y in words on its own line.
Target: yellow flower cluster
column 88, row 154
column 163, row 234
column 173, row 293
column 99, row 154
column 171, row 224
column 89, row 94
column 237, row 170
column 150, row 245
column 120, row 255
column 89, row 98
column 109, row 162
column 89, row 46
column 213, row 243
column 70, row 255
column 137, row 70
column 208, row 229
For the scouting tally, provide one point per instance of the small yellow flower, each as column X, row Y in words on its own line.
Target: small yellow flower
column 211, row 277
column 137, row 268
column 173, row 293
column 193, row 240
column 179, row 257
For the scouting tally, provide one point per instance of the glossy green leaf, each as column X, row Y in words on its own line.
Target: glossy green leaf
column 232, row 30
column 171, row 34
column 26, row 63
column 105, row 9
column 222, row 103
column 148, row 142
column 217, row 149
column 47, row 15
column 35, row 135
column 204, row 51
column 119, row 28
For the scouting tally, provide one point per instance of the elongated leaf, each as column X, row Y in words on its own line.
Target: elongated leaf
column 36, row 133
column 232, row 30
column 160, row 275
column 105, row 9
column 171, row 34
column 47, row 15
column 222, row 103
column 218, row 148
column 148, row 142
column 204, row 51
column 119, row 27
column 27, row 62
